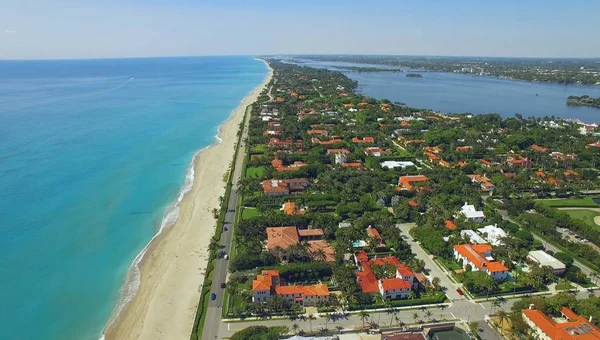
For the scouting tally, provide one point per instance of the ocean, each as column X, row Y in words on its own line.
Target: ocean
column 462, row 93
column 93, row 156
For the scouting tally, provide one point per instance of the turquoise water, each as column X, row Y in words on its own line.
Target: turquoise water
column 459, row 93
column 92, row 153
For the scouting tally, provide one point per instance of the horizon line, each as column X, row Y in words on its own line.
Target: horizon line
column 292, row 55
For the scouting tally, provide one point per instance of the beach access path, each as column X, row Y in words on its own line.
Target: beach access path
column 214, row 310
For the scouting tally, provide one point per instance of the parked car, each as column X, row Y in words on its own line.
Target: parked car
column 459, row 291
column 213, row 296
column 222, row 284
column 225, row 228
column 226, row 257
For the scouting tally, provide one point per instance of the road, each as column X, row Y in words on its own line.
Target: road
column 549, row 246
column 434, row 269
column 213, row 313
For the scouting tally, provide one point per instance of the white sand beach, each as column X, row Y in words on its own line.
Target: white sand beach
column 172, row 270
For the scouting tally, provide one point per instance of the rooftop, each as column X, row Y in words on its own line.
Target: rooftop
column 570, row 326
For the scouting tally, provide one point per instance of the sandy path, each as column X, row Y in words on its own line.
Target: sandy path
column 172, row 270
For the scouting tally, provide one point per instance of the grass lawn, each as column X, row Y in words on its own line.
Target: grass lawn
column 587, row 202
column 249, row 213
column 564, row 286
column 586, row 216
column 450, row 265
column 260, row 148
column 255, row 171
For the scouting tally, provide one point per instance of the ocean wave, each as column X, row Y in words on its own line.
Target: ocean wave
column 133, row 278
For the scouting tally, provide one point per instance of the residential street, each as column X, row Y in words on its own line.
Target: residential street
column 213, row 313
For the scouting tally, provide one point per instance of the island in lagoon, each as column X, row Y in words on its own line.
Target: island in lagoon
column 414, row 75
column 584, row 100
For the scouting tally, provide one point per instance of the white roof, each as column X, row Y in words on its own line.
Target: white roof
column 397, row 164
column 494, row 234
column 545, row 259
column 473, row 236
column 470, row 212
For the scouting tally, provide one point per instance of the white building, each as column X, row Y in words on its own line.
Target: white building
column 472, row 214
column 397, row 164
column 544, row 259
column 492, row 234
column 472, row 236
column 479, row 257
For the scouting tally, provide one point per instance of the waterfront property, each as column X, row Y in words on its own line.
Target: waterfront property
column 479, row 257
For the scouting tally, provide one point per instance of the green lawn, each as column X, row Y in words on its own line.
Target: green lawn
column 450, row 265
column 249, row 213
column 564, row 286
column 587, row 202
column 259, row 148
column 255, row 171
column 586, row 216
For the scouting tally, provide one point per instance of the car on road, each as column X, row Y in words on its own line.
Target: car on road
column 222, row 284
column 459, row 291
column 225, row 228
column 213, row 296
column 231, row 210
column 226, row 257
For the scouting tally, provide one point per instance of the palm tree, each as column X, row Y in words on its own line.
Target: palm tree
column 319, row 255
column 428, row 315
column 415, row 316
column 502, row 316
column 295, row 327
column 327, row 319
column 378, row 300
column 311, row 317
column 473, row 327
column 363, row 315
column 495, row 304
column 399, row 322
column 436, row 283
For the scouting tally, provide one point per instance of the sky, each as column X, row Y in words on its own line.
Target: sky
column 49, row 29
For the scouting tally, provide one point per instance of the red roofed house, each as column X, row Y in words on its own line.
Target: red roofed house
column 290, row 208
column 375, row 151
column 445, row 163
column 483, row 181
column 278, row 143
column 486, row 163
column 336, row 151
column 479, row 256
column 367, row 139
column 279, row 167
column 282, row 187
column 463, row 148
column 538, row 148
column 593, row 145
column 405, row 182
column 268, row 284
column 450, row 225
column 285, row 237
column 390, row 288
column 318, row 132
column 374, row 234
column 570, row 326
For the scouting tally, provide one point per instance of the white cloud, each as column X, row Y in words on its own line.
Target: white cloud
column 10, row 31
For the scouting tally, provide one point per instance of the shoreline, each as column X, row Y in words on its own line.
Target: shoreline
column 169, row 272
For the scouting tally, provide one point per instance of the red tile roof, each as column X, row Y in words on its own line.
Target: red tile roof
column 395, row 283
column 538, row 148
column 406, row 181
column 334, row 151
column 364, row 140
column 573, row 327
column 474, row 253
column 282, row 237
column 450, row 225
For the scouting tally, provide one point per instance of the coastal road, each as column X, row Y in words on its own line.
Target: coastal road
column 213, row 313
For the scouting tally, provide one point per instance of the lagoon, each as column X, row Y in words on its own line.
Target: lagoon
column 462, row 93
